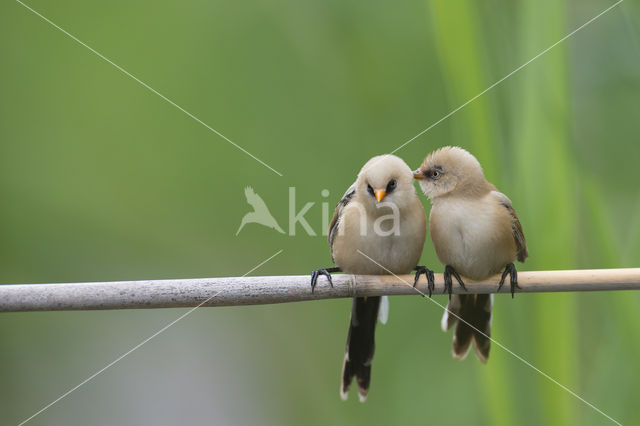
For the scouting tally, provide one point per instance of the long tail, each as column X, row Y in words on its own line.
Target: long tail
column 360, row 346
column 475, row 310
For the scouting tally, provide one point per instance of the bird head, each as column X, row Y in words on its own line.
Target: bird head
column 385, row 179
column 450, row 171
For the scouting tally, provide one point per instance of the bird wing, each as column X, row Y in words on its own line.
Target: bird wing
column 254, row 200
column 337, row 214
column 516, row 227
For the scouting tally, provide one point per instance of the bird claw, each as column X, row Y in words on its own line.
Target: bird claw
column 513, row 278
column 428, row 273
column 322, row 271
column 448, row 282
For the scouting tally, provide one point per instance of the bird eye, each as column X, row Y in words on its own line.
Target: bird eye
column 434, row 174
column 370, row 190
column 391, row 185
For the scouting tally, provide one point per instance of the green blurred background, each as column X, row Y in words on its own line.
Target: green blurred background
column 100, row 179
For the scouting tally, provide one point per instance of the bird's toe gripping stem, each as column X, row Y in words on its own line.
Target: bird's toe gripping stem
column 510, row 269
column 448, row 282
column 428, row 273
column 322, row 271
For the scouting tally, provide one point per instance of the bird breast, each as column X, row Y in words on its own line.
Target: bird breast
column 474, row 236
column 398, row 252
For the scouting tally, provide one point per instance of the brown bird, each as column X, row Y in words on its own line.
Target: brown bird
column 379, row 216
column 476, row 233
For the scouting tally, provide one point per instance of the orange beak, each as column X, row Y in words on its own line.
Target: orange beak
column 417, row 174
column 380, row 194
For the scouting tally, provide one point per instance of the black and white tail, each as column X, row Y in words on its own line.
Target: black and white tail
column 475, row 310
column 360, row 346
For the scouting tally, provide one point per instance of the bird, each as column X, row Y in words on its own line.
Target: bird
column 260, row 213
column 476, row 233
column 378, row 228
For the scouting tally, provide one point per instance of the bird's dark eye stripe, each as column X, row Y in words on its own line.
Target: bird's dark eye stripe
column 370, row 189
column 391, row 185
column 434, row 173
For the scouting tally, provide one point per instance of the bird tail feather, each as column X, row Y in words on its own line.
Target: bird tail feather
column 475, row 327
column 360, row 346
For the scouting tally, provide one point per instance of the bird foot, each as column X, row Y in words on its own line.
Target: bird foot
column 510, row 269
column 323, row 271
column 448, row 282
column 428, row 273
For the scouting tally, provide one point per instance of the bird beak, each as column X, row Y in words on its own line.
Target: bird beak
column 380, row 194
column 417, row 174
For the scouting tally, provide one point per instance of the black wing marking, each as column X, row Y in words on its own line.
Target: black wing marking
column 337, row 214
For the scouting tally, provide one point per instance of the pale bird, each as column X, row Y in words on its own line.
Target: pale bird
column 476, row 233
column 382, row 197
column 260, row 213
